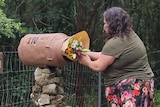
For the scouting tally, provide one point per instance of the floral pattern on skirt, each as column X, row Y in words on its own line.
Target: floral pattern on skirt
column 131, row 93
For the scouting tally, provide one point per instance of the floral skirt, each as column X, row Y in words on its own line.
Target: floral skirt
column 131, row 93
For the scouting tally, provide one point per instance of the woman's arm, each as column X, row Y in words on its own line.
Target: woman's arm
column 100, row 63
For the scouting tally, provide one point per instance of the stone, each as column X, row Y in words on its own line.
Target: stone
column 58, row 72
column 37, row 78
column 58, row 100
column 36, row 89
column 51, row 97
column 56, row 80
column 60, row 90
column 44, row 99
column 46, row 71
column 42, row 81
column 45, row 75
column 52, row 75
column 49, row 89
column 35, row 97
column 37, row 72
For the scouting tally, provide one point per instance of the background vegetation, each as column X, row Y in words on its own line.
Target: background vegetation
column 20, row 17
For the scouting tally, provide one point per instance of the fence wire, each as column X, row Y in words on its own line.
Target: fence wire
column 81, row 85
column 17, row 79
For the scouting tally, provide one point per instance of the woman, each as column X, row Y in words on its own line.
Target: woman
column 124, row 63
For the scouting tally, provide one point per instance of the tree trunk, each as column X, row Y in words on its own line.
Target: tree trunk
column 80, row 17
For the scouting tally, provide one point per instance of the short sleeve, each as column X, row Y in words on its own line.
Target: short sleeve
column 113, row 47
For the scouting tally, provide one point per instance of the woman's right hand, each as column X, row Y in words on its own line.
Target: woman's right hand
column 83, row 59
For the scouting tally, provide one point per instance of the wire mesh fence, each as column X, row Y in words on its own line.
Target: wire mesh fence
column 16, row 82
column 81, row 85
column 17, row 79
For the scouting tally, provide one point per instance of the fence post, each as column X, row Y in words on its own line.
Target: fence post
column 1, row 62
column 99, row 88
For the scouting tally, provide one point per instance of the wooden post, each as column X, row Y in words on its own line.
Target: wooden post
column 1, row 62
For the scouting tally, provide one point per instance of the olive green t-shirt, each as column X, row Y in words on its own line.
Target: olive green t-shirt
column 131, row 59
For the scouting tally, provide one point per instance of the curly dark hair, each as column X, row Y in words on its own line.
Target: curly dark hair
column 119, row 23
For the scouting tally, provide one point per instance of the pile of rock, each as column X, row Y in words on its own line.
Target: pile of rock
column 48, row 90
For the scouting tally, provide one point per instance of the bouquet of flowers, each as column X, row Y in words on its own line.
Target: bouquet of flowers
column 75, row 48
column 75, row 45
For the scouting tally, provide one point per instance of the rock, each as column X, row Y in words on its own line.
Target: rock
column 45, row 75
column 46, row 71
column 56, row 80
column 58, row 72
column 37, row 72
column 36, row 103
column 60, row 90
column 37, row 78
column 51, row 97
column 42, row 81
column 36, row 89
column 58, row 100
column 49, row 89
column 52, row 75
column 35, row 97
column 44, row 99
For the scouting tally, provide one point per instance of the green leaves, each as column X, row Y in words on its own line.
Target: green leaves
column 2, row 3
column 8, row 27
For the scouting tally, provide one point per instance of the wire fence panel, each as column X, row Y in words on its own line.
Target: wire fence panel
column 82, row 86
column 16, row 82
column 17, row 79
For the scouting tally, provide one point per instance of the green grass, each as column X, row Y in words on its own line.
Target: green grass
column 91, row 100
column 157, row 98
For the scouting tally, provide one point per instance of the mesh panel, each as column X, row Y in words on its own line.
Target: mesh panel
column 80, row 84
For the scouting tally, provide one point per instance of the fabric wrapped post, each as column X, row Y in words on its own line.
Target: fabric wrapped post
column 52, row 49
column 42, row 49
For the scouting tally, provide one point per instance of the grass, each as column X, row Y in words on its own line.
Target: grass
column 91, row 100
column 157, row 98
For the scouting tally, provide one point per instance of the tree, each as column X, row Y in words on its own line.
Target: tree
column 71, row 16
column 9, row 28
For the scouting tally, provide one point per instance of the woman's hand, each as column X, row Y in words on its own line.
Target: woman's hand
column 84, row 59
